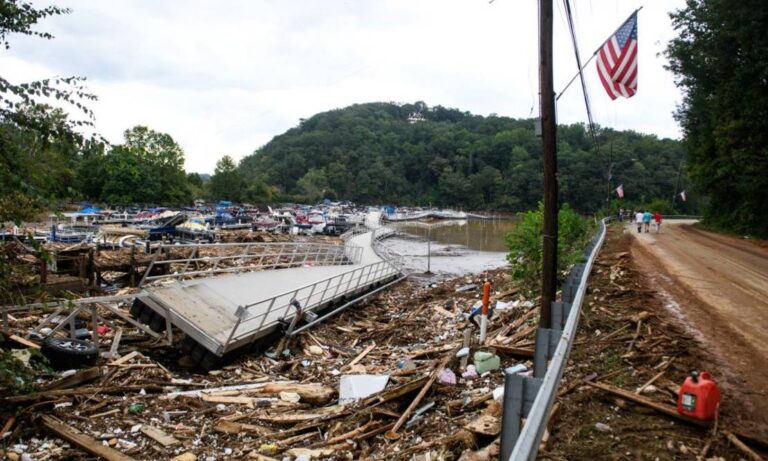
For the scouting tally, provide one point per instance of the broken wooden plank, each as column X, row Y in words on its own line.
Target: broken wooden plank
column 751, row 454
column 7, row 426
column 105, row 413
column 360, row 356
column 230, row 400
column 312, row 393
column 80, row 391
column 115, row 344
column 392, row 434
column 24, row 342
column 80, row 377
column 159, row 436
column 232, row 427
column 514, row 351
column 125, row 358
column 668, row 410
column 85, row 442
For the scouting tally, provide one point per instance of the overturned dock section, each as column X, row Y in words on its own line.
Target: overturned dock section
column 227, row 312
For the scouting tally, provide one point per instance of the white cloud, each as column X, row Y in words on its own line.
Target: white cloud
column 224, row 77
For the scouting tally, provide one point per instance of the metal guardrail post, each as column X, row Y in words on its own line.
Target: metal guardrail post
column 519, row 394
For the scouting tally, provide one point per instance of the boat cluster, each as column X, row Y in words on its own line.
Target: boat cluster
column 201, row 223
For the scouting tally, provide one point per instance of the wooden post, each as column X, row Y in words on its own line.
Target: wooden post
column 549, row 146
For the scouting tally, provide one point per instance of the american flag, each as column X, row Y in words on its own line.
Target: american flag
column 620, row 191
column 617, row 61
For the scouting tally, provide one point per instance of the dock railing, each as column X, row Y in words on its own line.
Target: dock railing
column 255, row 316
column 241, row 257
column 532, row 397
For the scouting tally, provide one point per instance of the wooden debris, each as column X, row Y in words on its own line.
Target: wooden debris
column 230, row 400
column 668, row 410
column 392, row 434
column 80, row 377
column 83, row 441
column 159, row 436
column 485, row 425
column 360, row 356
column 7, row 426
column 125, row 358
column 119, row 390
column 312, row 393
column 750, row 453
column 185, row 457
column 24, row 342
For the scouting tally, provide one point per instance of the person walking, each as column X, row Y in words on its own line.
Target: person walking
column 647, row 216
column 639, row 221
column 657, row 220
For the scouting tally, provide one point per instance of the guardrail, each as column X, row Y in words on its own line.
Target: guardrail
column 532, row 397
column 253, row 256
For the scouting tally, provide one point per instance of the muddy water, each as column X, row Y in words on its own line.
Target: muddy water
column 455, row 247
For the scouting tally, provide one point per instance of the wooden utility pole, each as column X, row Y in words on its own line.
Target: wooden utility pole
column 549, row 144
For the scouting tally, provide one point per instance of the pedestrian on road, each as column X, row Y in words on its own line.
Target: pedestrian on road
column 657, row 219
column 647, row 216
column 639, row 221
column 621, row 214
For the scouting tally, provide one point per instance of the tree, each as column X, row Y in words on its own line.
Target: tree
column 147, row 168
column 720, row 60
column 226, row 183
column 38, row 142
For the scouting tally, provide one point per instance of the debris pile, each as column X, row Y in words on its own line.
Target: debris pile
column 631, row 355
column 401, row 376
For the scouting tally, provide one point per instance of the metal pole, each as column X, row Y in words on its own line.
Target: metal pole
column 549, row 145
column 429, row 256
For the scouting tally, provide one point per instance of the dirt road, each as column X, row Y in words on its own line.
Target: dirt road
column 718, row 286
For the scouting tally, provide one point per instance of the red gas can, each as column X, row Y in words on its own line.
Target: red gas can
column 698, row 397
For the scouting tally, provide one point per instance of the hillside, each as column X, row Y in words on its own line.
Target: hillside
column 415, row 154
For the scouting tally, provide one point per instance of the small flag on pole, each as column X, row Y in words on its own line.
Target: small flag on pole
column 617, row 61
column 620, row 191
column 683, row 197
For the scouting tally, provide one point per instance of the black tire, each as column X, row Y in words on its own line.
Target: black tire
column 157, row 323
column 66, row 353
column 210, row 361
column 197, row 354
column 187, row 345
column 137, row 307
column 146, row 315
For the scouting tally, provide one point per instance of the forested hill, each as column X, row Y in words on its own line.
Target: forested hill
column 414, row 154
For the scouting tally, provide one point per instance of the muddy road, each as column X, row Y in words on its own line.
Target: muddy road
column 718, row 287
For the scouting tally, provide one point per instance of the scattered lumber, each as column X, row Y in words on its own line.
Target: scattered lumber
column 668, row 410
column 81, row 440
column 80, row 377
column 750, row 453
column 159, row 436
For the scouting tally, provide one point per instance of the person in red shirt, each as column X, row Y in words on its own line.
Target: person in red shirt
column 657, row 219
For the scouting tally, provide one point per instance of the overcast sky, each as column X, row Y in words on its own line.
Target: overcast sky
column 224, row 77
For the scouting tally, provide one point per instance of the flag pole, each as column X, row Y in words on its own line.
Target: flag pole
column 591, row 58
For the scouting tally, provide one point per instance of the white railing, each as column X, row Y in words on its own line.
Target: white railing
column 241, row 257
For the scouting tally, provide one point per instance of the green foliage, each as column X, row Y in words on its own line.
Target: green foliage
column 147, row 168
column 381, row 153
column 720, row 59
column 16, row 376
column 226, row 182
column 525, row 244
column 36, row 167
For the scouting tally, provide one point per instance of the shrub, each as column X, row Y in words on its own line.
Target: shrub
column 526, row 246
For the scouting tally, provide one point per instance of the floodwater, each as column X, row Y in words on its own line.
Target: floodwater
column 455, row 247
